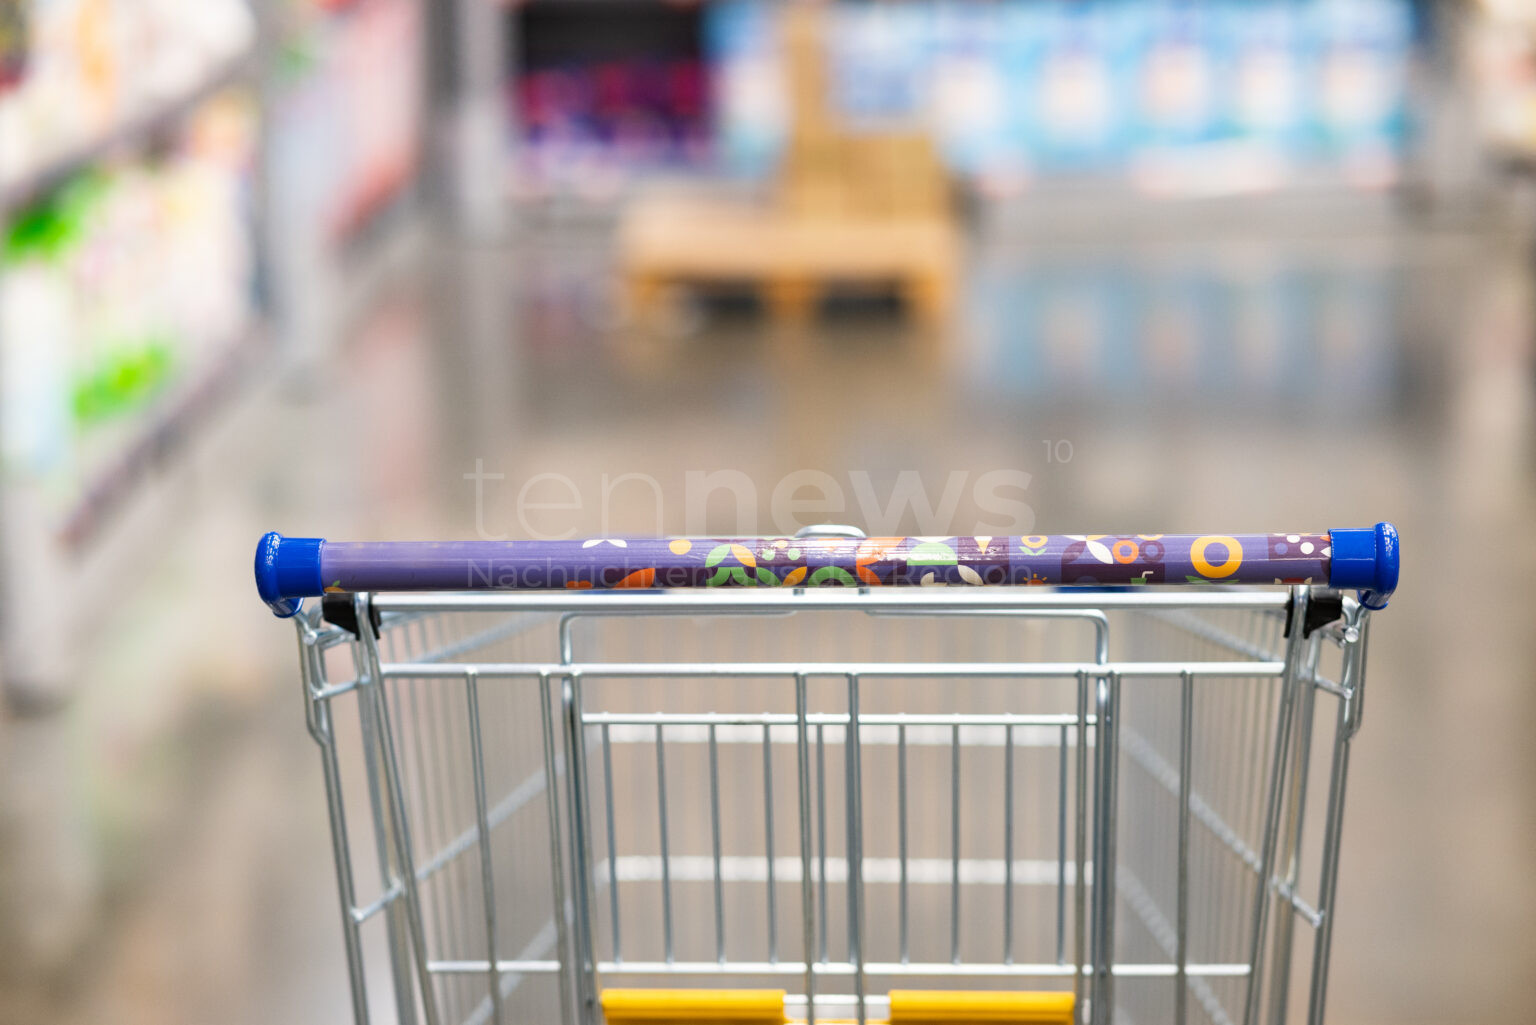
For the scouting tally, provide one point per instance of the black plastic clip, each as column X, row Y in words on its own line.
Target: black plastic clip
column 341, row 610
column 1322, row 609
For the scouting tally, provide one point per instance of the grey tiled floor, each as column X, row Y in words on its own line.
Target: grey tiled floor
column 1403, row 386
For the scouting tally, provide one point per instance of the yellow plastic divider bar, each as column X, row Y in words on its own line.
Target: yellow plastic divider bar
column 952, row 1007
column 698, row 1006
column 766, row 1007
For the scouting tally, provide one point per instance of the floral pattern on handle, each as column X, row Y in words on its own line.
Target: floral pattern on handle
column 966, row 560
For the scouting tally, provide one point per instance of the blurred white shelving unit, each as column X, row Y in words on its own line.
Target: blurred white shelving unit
column 334, row 97
column 27, row 182
column 111, row 200
column 110, row 365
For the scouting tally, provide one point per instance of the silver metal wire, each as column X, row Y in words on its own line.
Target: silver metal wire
column 1137, row 796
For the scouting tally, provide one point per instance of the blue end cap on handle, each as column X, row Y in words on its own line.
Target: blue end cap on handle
column 1366, row 560
column 288, row 571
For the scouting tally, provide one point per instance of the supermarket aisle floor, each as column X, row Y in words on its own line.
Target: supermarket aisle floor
column 1406, row 391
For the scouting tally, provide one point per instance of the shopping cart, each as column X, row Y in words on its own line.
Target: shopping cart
column 749, row 781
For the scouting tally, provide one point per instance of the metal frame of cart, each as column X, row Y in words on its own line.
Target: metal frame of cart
column 1055, row 804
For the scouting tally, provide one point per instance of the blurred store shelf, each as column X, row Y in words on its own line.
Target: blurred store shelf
column 23, row 185
column 175, row 422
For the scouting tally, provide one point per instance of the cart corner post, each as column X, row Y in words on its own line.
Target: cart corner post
column 1105, row 815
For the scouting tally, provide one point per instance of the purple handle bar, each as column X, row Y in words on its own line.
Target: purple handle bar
column 291, row 569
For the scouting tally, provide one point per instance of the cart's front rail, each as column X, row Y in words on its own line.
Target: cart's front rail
column 291, row 569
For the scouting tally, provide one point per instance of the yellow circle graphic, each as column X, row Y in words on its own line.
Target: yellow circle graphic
column 680, row 546
column 1203, row 565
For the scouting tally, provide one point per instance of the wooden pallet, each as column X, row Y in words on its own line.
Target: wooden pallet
column 793, row 258
column 849, row 207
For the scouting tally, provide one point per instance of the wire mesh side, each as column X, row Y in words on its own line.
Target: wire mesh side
column 1208, row 789
column 574, row 818
column 470, row 768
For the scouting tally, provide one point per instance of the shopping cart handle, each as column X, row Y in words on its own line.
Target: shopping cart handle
column 290, row 569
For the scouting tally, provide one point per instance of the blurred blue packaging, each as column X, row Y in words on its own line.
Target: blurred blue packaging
column 1293, row 91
